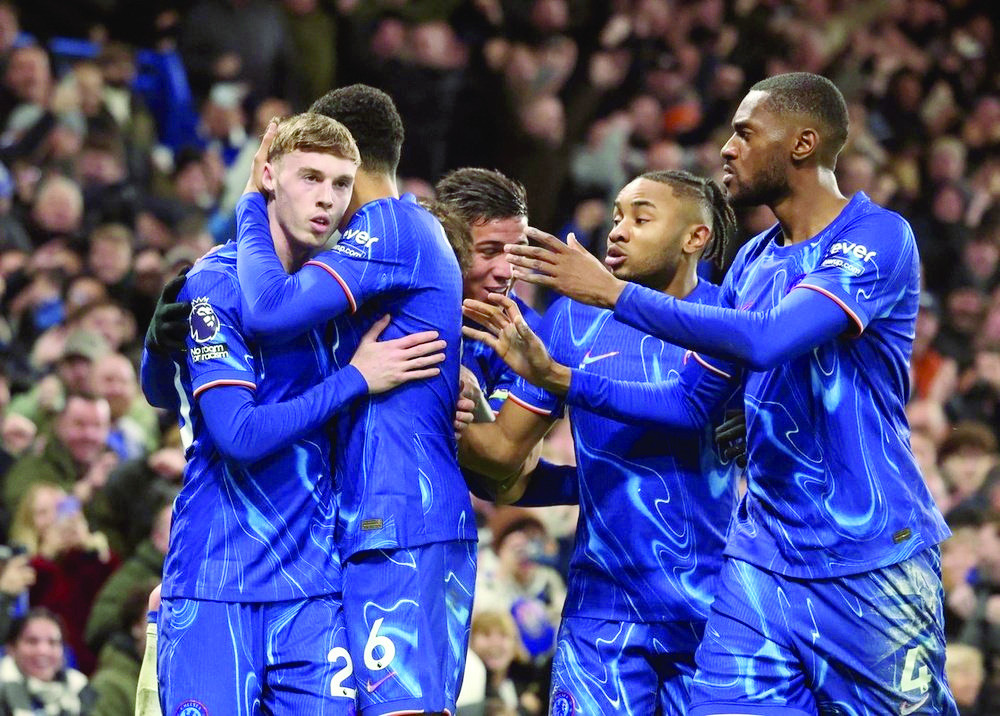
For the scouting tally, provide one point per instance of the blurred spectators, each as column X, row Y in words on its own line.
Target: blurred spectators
column 520, row 582
column 140, row 570
column 510, row 679
column 75, row 456
column 117, row 674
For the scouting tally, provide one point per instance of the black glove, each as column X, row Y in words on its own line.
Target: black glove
column 731, row 437
column 170, row 325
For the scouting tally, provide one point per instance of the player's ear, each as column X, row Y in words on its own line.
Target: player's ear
column 697, row 238
column 806, row 144
column 267, row 178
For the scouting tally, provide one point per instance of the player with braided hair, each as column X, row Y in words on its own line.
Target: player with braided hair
column 654, row 502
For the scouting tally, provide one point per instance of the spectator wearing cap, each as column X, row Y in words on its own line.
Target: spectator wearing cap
column 74, row 455
column 81, row 349
column 223, row 124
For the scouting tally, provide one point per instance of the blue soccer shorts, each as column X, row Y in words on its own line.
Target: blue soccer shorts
column 408, row 614
column 613, row 667
column 869, row 644
column 233, row 659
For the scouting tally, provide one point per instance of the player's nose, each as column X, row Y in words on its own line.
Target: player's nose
column 502, row 268
column 728, row 149
column 618, row 233
column 326, row 195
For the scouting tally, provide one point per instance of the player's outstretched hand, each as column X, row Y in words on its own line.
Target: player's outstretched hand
column 511, row 337
column 567, row 268
column 169, row 327
column 386, row 364
column 255, row 183
column 731, row 437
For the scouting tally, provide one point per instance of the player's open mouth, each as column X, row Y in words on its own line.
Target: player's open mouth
column 320, row 224
column 727, row 174
column 615, row 258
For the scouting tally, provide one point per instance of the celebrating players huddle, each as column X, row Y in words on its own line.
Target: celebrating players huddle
column 323, row 549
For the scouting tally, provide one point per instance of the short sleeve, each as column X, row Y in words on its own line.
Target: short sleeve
column 378, row 252
column 217, row 351
column 868, row 267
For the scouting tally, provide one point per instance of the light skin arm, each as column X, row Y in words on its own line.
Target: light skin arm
column 506, row 450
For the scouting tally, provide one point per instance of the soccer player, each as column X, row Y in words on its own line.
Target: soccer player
column 830, row 598
column 495, row 209
column 654, row 502
column 250, row 617
column 406, row 529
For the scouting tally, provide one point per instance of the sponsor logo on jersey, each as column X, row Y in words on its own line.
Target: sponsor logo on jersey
column 360, row 236
column 851, row 249
column 204, row 323
column 844, row 265
column 352, row 251
column 845, row 255
column 562, row 704
column 191, row 708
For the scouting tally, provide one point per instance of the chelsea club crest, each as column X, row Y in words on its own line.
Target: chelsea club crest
column 191, row 708
column 562, row 704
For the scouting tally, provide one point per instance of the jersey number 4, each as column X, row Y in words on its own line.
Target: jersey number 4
column 913, row 677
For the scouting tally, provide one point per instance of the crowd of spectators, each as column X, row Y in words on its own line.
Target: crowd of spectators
column 126, row 131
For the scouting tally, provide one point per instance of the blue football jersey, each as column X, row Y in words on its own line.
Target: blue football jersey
column 654, row 502
column 397, row 465
column 833, row 486
column 495, row 377
column 248, row 533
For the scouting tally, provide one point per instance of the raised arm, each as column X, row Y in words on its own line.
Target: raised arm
column 858, row 279
column 760, row 340
column 278, row 302
column 682, row 401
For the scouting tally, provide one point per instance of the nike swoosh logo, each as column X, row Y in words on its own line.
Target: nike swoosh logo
column 371, row 687
column 588, row 359
column 906, row 708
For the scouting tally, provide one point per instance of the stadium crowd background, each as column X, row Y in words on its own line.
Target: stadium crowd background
column 126, row 131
